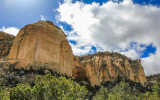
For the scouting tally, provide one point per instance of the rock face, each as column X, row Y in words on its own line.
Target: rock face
column 6, row 42
column 42, row 45
column 105, row 66
column 42, row 48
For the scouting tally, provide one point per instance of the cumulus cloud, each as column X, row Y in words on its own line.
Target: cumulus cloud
column 43, row 18
column 151, row 64
column 68, row 1
column 114, row 26
column 131, row 53
column 11, row 30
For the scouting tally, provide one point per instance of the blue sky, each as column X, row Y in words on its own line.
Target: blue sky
column 23, row 12
column 125, row 26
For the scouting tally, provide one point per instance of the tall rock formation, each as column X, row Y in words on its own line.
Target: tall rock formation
column 6, row 42
column 42, row 45
column 105, row 66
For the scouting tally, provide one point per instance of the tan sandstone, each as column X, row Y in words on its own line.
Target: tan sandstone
column 105, row 66
column 42, row 45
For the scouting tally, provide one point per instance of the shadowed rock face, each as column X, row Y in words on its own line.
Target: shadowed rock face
column 6, row 42
column 42, row 45
column 105, row 66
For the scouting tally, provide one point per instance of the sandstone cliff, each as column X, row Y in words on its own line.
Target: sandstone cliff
column 6, row 42
column 42, row 48
column 105, row 66
column 42, row 45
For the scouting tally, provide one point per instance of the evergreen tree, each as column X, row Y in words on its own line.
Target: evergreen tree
column 121, row 91
column 102, row 94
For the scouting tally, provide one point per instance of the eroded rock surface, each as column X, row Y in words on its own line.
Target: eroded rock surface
column 105, row 66
column 42, row 45
column 42, row 48
column 6, row 42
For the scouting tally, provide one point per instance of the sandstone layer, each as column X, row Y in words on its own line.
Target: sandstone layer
column 6, row 42
column 105, row 66
column 42, row 45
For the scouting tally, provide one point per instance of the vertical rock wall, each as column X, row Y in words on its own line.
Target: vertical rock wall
column 105, row 66
column 42, row 45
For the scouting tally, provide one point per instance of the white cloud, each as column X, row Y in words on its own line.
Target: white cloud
column 152, row 64
column 11, row 30
column 43, row 18
column 79, row 51
column 112, row 27
column 67, row 1
column 131, row 53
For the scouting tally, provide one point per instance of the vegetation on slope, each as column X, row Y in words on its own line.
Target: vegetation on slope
column 153, row 78
column 46, row 88
column 60, row 88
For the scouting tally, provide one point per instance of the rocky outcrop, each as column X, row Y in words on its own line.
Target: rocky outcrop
column 105, row 66
column 42, row 45
column 6, row 42
column 42, row 48
column 153, row 78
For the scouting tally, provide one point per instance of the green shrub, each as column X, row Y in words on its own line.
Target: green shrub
column 49, row 88
column 102, row 94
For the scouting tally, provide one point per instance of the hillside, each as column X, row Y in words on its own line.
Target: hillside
column 6, row 42
column 153, row 78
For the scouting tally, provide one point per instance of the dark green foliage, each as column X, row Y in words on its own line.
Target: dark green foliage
column 102, row 94
column 121, row 91
column 51, row 88
column 156, row 91
column 59, row 88
column 47, row 88
column 2, row 82
column 4, row 95
column 155, row 77
column 21, row 92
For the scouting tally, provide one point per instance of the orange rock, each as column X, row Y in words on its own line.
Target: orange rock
column 105, row 66
column 42, row 45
